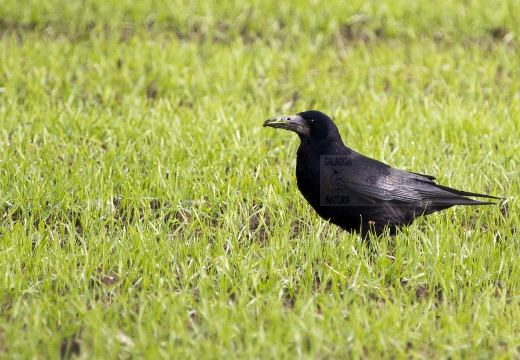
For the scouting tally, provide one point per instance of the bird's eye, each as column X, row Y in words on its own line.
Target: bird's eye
column 310, row 121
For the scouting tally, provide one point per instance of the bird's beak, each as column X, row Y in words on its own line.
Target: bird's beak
column 293, row 123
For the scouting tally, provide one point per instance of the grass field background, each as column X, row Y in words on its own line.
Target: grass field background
column 146, row 213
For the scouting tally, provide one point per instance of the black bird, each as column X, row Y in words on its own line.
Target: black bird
column 358, row 193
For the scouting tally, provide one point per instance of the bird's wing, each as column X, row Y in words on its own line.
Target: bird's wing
column 374, row 181
column 370, row 193
column 429, row 177
column 379, row 187
column 389, row 184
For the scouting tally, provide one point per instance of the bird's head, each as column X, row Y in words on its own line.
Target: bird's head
column 309, row 125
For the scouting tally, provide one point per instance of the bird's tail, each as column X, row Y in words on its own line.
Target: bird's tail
column 455, row 197
column 465, row 201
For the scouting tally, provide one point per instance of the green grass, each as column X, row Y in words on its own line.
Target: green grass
column 146, row 213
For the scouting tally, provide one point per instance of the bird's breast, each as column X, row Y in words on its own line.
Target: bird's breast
column 308, row 177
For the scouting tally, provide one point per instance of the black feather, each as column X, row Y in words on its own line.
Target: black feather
column 358, row 193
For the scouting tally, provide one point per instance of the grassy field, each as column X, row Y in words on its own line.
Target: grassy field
column 147, row 214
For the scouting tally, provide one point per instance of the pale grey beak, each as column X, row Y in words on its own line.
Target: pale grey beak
column 293, row 123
